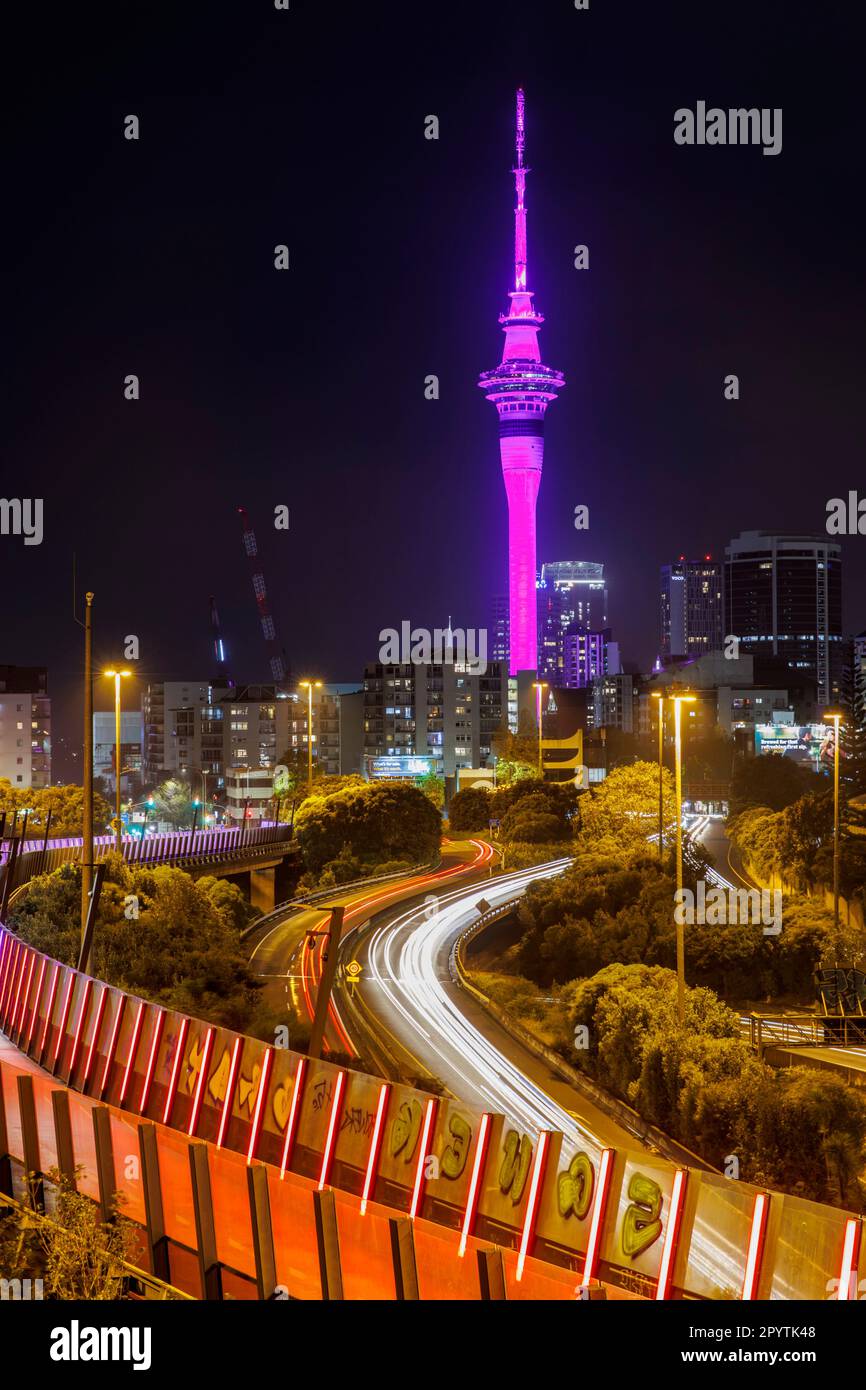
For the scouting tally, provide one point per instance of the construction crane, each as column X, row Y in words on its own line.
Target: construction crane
column 220, row 664
column 276, row 655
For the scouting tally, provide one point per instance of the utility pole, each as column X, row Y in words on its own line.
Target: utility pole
column 87, row 826
column 330, row 956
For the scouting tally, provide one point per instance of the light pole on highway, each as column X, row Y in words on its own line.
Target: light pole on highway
column 659, row 695
column 118, row 676
column 678, row 702
column 539, row 686
column 308, row 685
column 835, row 717
column 330, row 956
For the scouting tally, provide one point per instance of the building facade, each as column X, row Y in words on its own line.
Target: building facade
column 570, row 594
column 104, row 759
column 691, row 608
column 25, row 726
column 445, row 713
column 783, row 596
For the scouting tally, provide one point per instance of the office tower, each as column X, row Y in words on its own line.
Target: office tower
column 25, row 726
column 570, row 592
column 690, row 619
column 783, row 597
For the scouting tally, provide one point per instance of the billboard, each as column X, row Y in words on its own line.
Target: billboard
column 400, row 765
column 804, row 743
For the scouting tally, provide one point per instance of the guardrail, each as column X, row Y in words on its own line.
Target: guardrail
column 807, row 1030
column 301, row 900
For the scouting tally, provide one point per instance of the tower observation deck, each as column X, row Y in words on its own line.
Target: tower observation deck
column 521, row 388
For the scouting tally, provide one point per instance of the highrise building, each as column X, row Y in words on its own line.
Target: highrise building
column 570, row 593
column 690, row 619
column 588, row 654
column 25, row 726
column 446, row 713
column 499, row 643
column 521, row 388
column 104, row 748
column 783, row 597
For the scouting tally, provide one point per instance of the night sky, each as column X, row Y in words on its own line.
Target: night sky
column 306, row 387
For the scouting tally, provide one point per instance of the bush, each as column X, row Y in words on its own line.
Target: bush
column 471, row 809
column 798, row 1130
column 377, row 822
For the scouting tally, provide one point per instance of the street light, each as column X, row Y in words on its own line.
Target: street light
column 308, row 685
column 679, row 700
column 659, row 695
column 836, row 716
column 118, row 676
column 539, row 686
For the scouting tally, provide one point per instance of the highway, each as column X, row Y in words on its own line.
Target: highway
column 286, row 955
column 440, row 1031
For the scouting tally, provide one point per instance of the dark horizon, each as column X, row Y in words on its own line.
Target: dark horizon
column 306, row 387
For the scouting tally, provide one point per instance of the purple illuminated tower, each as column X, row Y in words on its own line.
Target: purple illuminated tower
column 521, row 388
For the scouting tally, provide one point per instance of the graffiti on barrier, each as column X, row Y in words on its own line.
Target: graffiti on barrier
column 574, row 1187
column 456, row 1152
column 641, row 1225
column 405, row 1129
column 514, row 1168
column 357, row 1121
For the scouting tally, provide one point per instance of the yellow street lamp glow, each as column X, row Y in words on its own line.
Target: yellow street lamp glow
column 660, row 696
column 539, row 686
column 117, row 677
column 837, row 716
column 308, row 686
column 678, row 700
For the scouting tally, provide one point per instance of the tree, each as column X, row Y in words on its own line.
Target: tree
column 516, row 754
column 173, row 803
column 433, row 786
column 770, row 780
column 852, row 729
column 624, row 807
column 159, row 933
column 471, row 809
column 65, row 803
column 536, row 819
column 379, row 821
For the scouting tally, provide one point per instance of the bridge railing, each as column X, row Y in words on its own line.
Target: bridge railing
column 660, row 1229
column 28, row 858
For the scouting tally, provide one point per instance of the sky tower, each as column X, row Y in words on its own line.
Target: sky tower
column 521, row 388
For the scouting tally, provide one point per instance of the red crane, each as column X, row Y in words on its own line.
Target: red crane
column 276, row 655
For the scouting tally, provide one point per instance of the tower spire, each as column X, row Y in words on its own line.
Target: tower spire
column 520, row 211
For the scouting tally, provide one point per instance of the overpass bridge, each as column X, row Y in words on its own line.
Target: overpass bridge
column 255, row 852
column 260, row 1172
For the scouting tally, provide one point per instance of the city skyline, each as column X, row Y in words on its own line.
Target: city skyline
column 646, row 336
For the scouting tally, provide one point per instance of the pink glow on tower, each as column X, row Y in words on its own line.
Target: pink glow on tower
column 521, row 388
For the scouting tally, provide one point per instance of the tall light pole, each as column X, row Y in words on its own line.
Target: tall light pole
column 308, row 685
column 539, row 686
column 118, row 676
column 87, row 771
column 835, row 716
column 678, row 702
column 659, row 695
